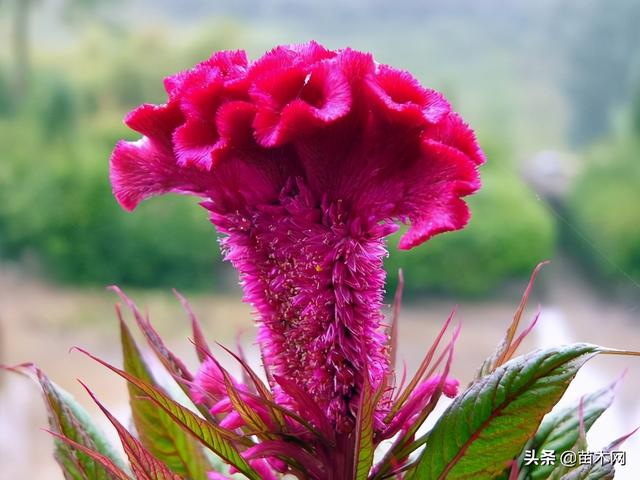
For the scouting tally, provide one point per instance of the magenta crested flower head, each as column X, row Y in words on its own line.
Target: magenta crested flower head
column 306, row 159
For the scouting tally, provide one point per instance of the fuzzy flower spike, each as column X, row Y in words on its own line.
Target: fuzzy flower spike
column 306, row 159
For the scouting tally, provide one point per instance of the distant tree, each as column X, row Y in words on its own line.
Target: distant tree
column 20, row 44
column 20, row 35
column 635, row 111
column 603, row 40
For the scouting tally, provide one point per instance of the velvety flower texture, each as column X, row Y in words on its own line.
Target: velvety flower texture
column 306, row 159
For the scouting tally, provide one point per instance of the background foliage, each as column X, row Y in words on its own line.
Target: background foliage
column 509, row 231
column 70, row 70
column 611, row 182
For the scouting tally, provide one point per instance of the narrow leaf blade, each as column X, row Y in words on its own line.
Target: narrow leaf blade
column 202, row 350
column 364, row 430
column 144, row 465
column 598, row 470
column 157, row 431
column 69, row 420
column 505, row 349
column 218, row 439
column 114, row 470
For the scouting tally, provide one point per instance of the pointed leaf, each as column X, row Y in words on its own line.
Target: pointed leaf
column 202, row 349
column 68, row 419
column 250, row 417
column 144, row 465
column 116, row 472
column 598, row 470
column 364, row 445
column 218, row 439
column 505, row 350
column 157, row 431
column 406, row 443
column 260, row 388
column 171, row 362
column 489, row 424
column 293, row 416
column 560, row 431
column 307, row 406
column 307, row 464
column 420, row 373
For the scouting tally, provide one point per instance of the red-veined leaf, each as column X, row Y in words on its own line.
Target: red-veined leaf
column 115, row 471
column 296, row 418
column 259, row 386
column 488, row 425
column 364, row 445
column 250, row 417
column 70, row 420
column 506, row 348
column 143, row 464
column 560, row 431
column 297, row 457
column 158, row 432
column 218, row 439
column 202, row 350
column 405, row 444
column 307, row 406
column 171, row 362
column 420, row 372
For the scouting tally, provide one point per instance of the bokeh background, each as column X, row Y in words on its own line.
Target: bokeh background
column 552, row 88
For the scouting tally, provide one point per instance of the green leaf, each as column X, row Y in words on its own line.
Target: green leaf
column 488, row 425
column 591, row 472
column 560, row 431
column 144, row 465
column 157, row 431
column 251, row 418
column 69, row 420
column 364, row 445
column 116, row 472
column 598, row 470
column 176, row 368
column 211, row 435
column 261, row 389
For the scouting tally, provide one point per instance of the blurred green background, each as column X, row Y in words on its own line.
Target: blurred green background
column 552, row 88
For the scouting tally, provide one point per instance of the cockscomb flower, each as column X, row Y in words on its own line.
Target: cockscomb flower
column 306, row 159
